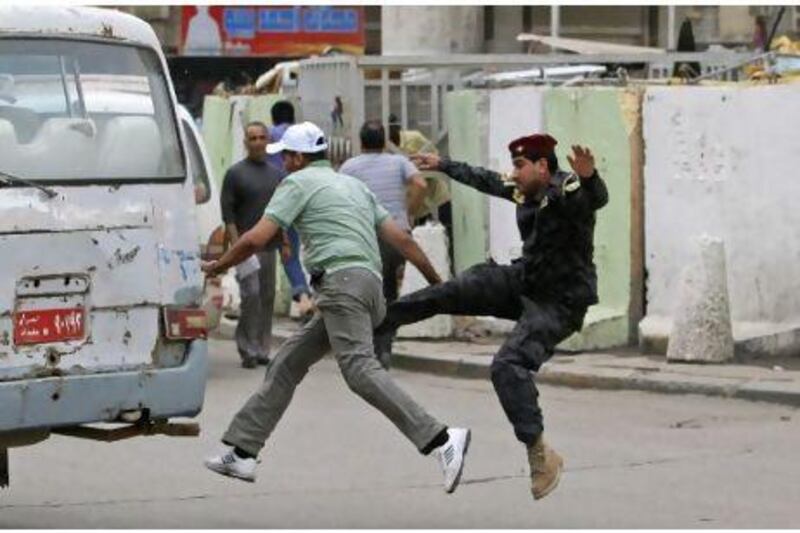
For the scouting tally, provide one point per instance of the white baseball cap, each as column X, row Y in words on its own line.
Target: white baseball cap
column 305, row 138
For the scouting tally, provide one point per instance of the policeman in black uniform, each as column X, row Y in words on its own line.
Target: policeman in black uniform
column 547, row 290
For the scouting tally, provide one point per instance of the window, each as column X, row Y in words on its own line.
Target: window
column 197, row 167
column 75, row 110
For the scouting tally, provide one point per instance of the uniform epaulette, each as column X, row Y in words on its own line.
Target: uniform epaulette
column 516, row 195
column 571, row 184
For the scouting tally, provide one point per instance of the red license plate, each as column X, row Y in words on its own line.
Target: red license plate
column 49, row 325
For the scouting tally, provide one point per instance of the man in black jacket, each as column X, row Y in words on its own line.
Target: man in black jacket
column 547, row 290
column 247, row 188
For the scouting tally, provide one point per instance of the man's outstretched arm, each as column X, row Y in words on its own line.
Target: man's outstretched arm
column 391, row 233
column 250, row 241
column 486, row 181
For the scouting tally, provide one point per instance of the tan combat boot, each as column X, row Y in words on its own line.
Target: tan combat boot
column 546, row 467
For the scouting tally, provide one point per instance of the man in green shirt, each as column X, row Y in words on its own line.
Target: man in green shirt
column 337, row 217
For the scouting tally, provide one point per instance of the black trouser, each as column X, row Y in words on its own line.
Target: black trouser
column 393, row 263
column 497, row 290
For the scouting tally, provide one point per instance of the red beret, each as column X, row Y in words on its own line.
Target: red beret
column 533, row 146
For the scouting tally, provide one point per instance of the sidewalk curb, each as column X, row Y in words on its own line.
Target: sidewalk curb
column 778, row 391
column 610, row 379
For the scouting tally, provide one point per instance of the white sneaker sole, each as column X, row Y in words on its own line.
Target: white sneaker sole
column 225, row 471
column 452, row 488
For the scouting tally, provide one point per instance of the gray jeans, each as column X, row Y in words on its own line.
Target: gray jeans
column 350, row 305
column 257, row 291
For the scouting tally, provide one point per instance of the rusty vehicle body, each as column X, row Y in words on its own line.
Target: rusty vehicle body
column 100, row 285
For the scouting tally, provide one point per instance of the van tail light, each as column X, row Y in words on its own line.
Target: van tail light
column 215, row 247
column 183, row 323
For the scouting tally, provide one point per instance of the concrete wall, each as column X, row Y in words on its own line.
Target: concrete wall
column 723, row 161
column 416, row 30
column 216, row 133
column 223, row 122
column 467, row 117
column 606, row 120
column 512, row 113
column 480, row 126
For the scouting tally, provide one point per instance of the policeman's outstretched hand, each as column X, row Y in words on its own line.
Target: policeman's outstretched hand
column 426, row 161
column 581, row 161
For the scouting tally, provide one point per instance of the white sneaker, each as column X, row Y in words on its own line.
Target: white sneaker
column 230, row 464
column 451, row 456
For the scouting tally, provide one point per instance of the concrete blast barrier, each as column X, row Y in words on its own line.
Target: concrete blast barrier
column 702, row 329
column 723, row 161
column 513, row 112
column 216, row 133
column 223, row 122
column 467, row 117
column 608, row 121
column 481, row 124
column 433, row 241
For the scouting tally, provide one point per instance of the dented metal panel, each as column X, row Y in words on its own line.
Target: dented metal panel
column 113, row 254
column 78, row 399
column 135, row 247
column 74, row 209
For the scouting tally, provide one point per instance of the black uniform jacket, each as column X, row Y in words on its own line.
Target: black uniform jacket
column 557, row 231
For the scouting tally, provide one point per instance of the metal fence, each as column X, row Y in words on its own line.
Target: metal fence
column 339, row 92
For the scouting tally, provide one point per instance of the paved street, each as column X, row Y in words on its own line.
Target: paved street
column 633, row 459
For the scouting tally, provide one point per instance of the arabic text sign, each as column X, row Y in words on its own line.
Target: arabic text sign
column 271, row 30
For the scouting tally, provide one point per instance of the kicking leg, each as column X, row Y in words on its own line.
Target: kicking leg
column 482, row 290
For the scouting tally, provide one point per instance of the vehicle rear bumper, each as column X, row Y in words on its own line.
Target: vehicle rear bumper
column 80, row 399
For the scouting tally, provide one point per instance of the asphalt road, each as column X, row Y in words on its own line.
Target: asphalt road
column 633, row 460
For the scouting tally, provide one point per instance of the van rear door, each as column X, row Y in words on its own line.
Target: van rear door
column 86, row 275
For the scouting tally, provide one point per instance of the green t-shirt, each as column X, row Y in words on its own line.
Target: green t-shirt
column 336, row 216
